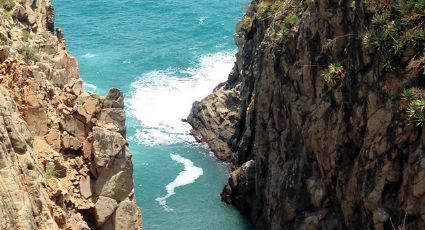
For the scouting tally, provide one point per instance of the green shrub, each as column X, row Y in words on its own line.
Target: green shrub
column 51, row 172
column 30, row 54
column 277, row 5
column 7, row 4
column 291, row 20
column 408, row 95
column 380, row 20
column 245, row 23
column 388, row 63
column 58, row 80
column 263, row 10
column 25, row 34
column 416, row 38
column 394, row 28
column 282, row 34
column 8, row 15
column 334, row 74
column 411, row 7
column 416, row 112
column 307, row 3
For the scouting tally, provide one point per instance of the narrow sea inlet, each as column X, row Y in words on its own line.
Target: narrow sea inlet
column 164, row 55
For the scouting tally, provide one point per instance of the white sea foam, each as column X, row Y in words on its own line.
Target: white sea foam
column 89, row 87
column 88, row 55
column 201, row 20
column 160, row 99
column 185, row 177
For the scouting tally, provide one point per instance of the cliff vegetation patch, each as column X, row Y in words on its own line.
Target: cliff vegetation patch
column 7, row 4
column 334, row 74
column 397, row 30
column 51, row 172
column 246, row 23
column 291, row 19
column 30, row 54
column 415, row 99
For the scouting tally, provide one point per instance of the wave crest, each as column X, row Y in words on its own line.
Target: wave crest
column 161, row 99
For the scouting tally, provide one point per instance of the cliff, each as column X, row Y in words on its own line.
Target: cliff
column 64, row 159
column 323, row 114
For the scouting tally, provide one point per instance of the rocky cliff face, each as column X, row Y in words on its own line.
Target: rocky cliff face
column 329, row 104
column 64, row 159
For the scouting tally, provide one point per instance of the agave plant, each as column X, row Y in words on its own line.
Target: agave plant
column 334, row 74
column 408, row 95
column 416, row 112
column 380, row 20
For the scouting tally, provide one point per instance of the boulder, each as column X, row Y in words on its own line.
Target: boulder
column 113, row 116
column 53, row 137
column 106, row 144
column 75, row 125
column 104, row 208
column 85, row 186
column 114, row 99
column 87, row 147
column 115, row 179
column 20, row 13
column 127, row 216
column 70, row 143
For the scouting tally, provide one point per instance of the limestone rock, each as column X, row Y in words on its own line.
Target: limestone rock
column 32, row 16
column 127, row 216
column 86, row 187
column 54, row 139
column 20, row 13
column 87, row 147
column 115, row 178
column 74, row 124
column 70, row 143
column 90, row 105
column 104, row 208
column 115, row 116
column 106, row 144
column 114, row 99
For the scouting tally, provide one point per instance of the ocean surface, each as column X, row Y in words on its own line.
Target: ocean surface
column 164, row 55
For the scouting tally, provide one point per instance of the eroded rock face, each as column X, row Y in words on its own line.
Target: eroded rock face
column 24, row 200
column 64, row 159
column 309, row 155
column 214, row 120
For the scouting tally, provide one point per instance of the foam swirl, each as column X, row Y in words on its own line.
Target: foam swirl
column 185, row 177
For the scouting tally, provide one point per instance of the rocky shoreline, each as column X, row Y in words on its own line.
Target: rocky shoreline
column 320, row 115
column 64, row 159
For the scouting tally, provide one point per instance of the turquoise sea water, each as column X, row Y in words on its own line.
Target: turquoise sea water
column 164, row 55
